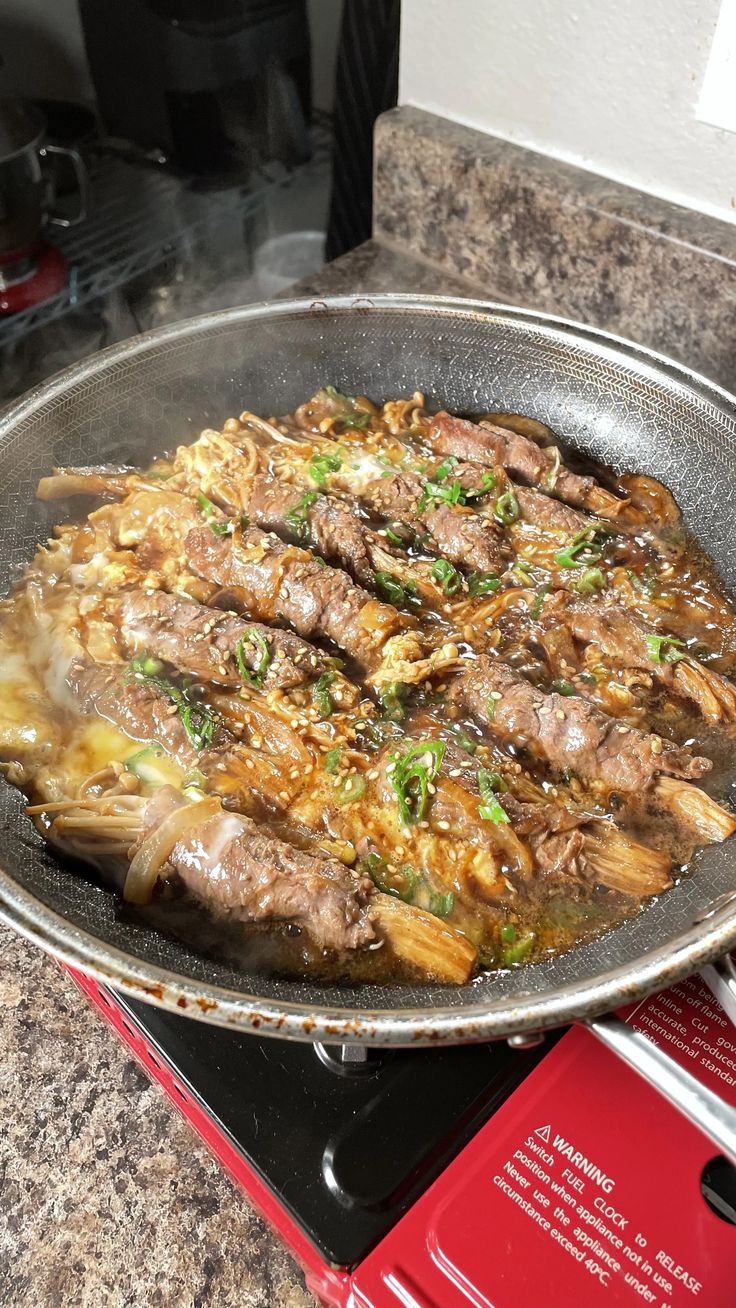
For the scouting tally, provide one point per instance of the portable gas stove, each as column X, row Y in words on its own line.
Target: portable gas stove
column 484, row 1175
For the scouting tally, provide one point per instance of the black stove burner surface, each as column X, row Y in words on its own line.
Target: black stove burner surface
column 346, row 1144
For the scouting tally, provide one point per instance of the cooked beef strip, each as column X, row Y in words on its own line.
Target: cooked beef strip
column 283, row 584
column 204, row 641
column 140, row 709
column 542, row 511
column 241, row 874
column 331, row 529
column 624, row 640
column 485, row 443
column 567, row 732
column 457, row 533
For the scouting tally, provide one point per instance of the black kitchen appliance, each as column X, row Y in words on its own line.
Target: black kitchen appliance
column 217, row 85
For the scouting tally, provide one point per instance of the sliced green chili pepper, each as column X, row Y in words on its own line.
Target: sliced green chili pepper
column 563, row 687
column 332, row 760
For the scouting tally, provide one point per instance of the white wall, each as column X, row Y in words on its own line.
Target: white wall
column 610, row 85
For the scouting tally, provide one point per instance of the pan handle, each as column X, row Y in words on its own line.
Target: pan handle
column 720, row 978
column 699, row 1105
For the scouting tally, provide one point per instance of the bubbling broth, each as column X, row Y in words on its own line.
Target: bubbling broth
column 370, row 693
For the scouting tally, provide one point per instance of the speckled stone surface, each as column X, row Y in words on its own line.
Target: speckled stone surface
column 107, row 1198
column 525, row 229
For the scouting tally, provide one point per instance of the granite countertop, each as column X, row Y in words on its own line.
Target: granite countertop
column 107, row 1196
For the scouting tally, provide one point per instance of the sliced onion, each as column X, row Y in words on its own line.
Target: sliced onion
column 155, row 849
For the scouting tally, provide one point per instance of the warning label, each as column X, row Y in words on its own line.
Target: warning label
column 567, row 1196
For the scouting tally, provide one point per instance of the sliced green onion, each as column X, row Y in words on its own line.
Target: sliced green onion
column 401, row 882
column 144, row 667
column 352, row 788
column 321, row 693
column 490, row 809
column 550, row 478
column 665, row 649
column 389, row 587
column 452, row 494
column 536, row 608
column 589, row 581
column 442, row 472
column 491, row 703
column 209, row 512
column 563, row 687
column 392, row 696
column 465, row 741
column 507, row 509
column 252, row 676
column 646, row 582
column 194, row 783
column 297, row 515
column 483, row 583
column 432, row 901
column 353, row 416
column 321, row 465
column 517, row 952
column 586, row 548
column 447, row 575
column 412, row 776
column 198, row 720
column 148, row 751
column 332, row 760
column 508, row 933
column 487, row 484
column 394, row 539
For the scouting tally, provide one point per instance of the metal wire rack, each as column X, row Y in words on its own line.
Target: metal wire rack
column 139, row 216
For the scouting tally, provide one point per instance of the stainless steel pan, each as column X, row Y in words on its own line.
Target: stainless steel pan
column 621, row 403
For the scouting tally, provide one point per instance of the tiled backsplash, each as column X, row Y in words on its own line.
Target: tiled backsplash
column 522, row 228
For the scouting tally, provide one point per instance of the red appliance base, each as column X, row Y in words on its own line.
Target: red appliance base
column 48, row 276
column 583, row 1189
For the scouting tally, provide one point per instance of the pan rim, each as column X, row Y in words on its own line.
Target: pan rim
column 54, row 933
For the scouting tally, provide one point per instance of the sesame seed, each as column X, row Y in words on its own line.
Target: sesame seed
column 456, row 772
column 443, row 825
column 560, row 715
column 496, row 694
column 373, row 775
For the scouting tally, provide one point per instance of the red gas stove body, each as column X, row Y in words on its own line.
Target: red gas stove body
column 582, row 1188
